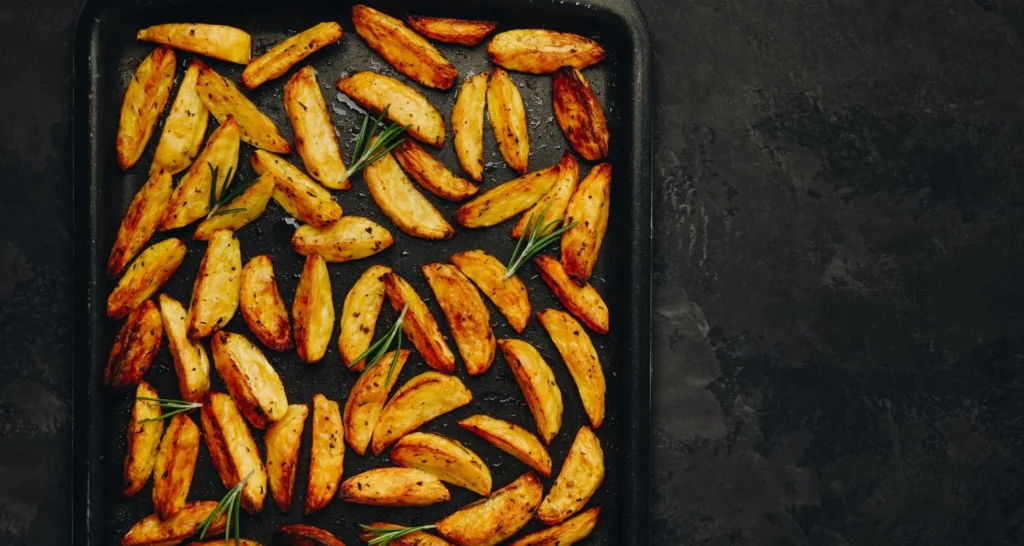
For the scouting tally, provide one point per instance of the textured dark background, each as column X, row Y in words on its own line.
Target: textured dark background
column 838, row 260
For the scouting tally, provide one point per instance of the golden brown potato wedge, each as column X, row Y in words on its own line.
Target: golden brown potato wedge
column 150, row 270
column 289, row 52
column 400, row 201
column 153, row 531
column 315, row 138
column 144, row 101
column 421, row 399
column 191, row 363
column 232, row 449
column 406, row 105
column 220, row 542
column 283, row 440
column 452, row 31
column 218, row 285
column 445, row 458
column 217, row 41
column 431, row 174
column 140, row 222
column 394, row 487
column 589, row 208
column 408, row 52
column 135, row 347
column 579, row 478
column 298, row 194
column 143, row 440
column 580, row 357
column 191, row 198
column 419, row 324
column 564, row 534
column 508, row 119
column 512, row 439
column 349, row 238
column 502, row 202
column 240, row 211
column 418, row 538
column 468, row 124
column 552, row 206
column 365, row 402
column 262, row 306
column 508, row 295
column 498, row 517
column 250, row 378
column 580, row 114
column 467, row 315
column 224, row 100
column 359, row 316
column 327, row 454
column 184, row 127
column 175, row 465
column 298, row 534
column 540, row 51
column 313, row 310
column 537, row 382
column 582, row 301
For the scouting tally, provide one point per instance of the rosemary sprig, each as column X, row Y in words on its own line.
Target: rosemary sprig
column 228, row 196
column 369, row 149
column 231, row 506
column 176, row 407
column 530, row 244
column 381, row 346
column 377, row 536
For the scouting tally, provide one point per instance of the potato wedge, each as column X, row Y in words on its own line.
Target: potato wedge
column 502, row 202
column 394, row 487
column 408, row 52
column 589, row 208
column 512, row 439
column 508, row 119
column 468, row 124
column 365, row 402
column 537, row 382
column 220, row 542
column 315, row 138
column 240, row 211
column 283, row 440
column 445, row 458
column 421, row 399
column 217, row 41
column 452, row 31
column 564, row 534
column 327, row 454
column 555, row 201
column 580, row 357
column 232, row 449
column 218, row 285
column 262, row 306
column 150, row 270
column 191, row 198
column 468, row 317
column 540, row 51
column 299, row 534
column 359, row 316
column 144, row 101
column 486, row 272
column 298, row 194
column 224, row 100
column 579, row 114
column 349, row 238
column 418, row 538
column 184, row 127
column 400, row 201
column 140, row 222
column 431, row 174
column 313, row 310
column 498, row 517
column 153, row 531
column 289, row 52
column 191, row 363
column 582, row 301
column 143, row 440
column 407, row 106
column 250, row 378
column 135, row 347
column 175, row 465
column 419, row 324
column 579, row 478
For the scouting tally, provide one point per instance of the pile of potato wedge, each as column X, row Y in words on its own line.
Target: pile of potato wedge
column 246, row 420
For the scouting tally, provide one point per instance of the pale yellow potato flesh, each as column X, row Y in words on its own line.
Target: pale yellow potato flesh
column 504, row 201
column 420, row 400
column 589, row 208
column 508, row 295
column 262, row 306
column 282, row 441
column 135, row 346
column 153, row 531
column 497, row 518
column 419, row 324
column 581, row 475
column 191, row 198
column 452, row 31
column 175, row 466
column 191, row 363
column 566, row 533
column 366, row 400
column 146, row 274
column 289, row 52
column 348, row 238
column 537, row 381
column 250, row 378
column 468, row 317
column 552, row 206
column 218, row 41
column 313, row 310
column 579, row 114
column 144, row 101
column 431, row 174
column 408, row 52
column 218, row 286
column 359, row 316
column 406, row 106
column 327, row 454
column 445, row 458
column 508, row 119
column 233, row 451
column 402, row 203
column 394, row 486
column 512, row 439
column 539, row 51
column 297, row 193
column 315, row 139
column 140, row 222
column 143, row 440
column 247, row 208
column 223, row 99
column 184, row 128
column 580, row 357
column 582, row 301
column 418, row 538
column 468, row 124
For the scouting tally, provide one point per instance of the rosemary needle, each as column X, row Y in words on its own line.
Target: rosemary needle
column 176, row 407
column 530, row 244
column 378, row 536
column 230, row 506
column 381, row 346
column 368, row 148
column 216, row 205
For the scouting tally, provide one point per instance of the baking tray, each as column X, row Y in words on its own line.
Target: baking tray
column 106, row 55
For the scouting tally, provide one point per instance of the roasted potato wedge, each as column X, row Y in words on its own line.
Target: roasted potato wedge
column 445, row 458
column 582, row 301
column 298, row 534
column 418, row 538
column 175, row 465
column 468, row 124
column 540, row 51
column 135, row 347
column 498, row 517
column 467, row 315
column 452, row 31
column 431, row 174
column 220, row 542
column 400, row 201
column 144, row 101
column 419, row 324
column 421, row 399
column 289, row 52
column 327, row 454
column 218, row 285
column 394, row 487
column 315, row 138
column 502, row 202
column 153, row 531
column 580, row 114
column 224, row 100
column 313, row 310
column 250, row 377
column 508, row 295
column 580, row 357
column 537, row 382
column 191, row 363
column 552, row 206
column 217, row 41
column 191, row 198
column 589, row 208
column 242, row 210
column 150, row 270
column 349, row 238
column 407, row 106
column 262, row 306
column 564, row 534
column 359, row 316
column 140, row 222
column 283, row 440
column 508, row 119
column 579, row 478
column 298, row 194
column 184, row 127
column 512, row 439
column 232, row 449
column 365, row 402
column 143, row 440
column 408, row 52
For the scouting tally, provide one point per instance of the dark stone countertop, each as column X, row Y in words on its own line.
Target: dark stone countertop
column 838, row 260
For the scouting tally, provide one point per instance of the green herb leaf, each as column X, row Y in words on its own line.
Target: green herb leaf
column 217, row 205
column 369, row 149
column 530, row 243
column 176, row 407
column 376, row 536
column 230, row 506
column 383, row 345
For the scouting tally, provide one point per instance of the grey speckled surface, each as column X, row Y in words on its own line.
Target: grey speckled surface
column 839, row 327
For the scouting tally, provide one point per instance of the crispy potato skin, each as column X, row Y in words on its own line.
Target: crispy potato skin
column 486, row 272
column 262, row 306
column 418, row 538
column 327, row 454
column 143, row 441
column 153, row 531
column 512, row 439
column 253, row 202
column 508, row 118
column 283, row 440
column 468, row 317
column 408, row 107
column 349, row 238
column 445, row 458
column 135, row 347
column 217, row 41
column 537, row 382
column 224, row 100
column 403, row 49
column 580, row 114
column 232, row 449
column 419, row 324
column 464, row 32
column 555, row 201
column 580, row 357
column 313, row 310
column 298, row 194
column 215, row 292
column 581, row 475
column 145, row 276
column 315, row 139
column 431, row 174
column 191, row 363
column 298, row 534
column 468, row 124
column 366, row 400
column 400, row 201
column 565, row 534
column 502, row 202
column 582, row 301
column 359, row 316
column 289, row 52
column 499, row 517
column 175, row 465
column 140, row 222
column 589, row 208
column 144, row 101
column 184, row 127
column 250, row 378
column 190, row 200
column 421, row 399
column 394, row 487
column 543, row 51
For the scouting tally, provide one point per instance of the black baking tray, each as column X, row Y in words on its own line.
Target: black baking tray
column 106, row 55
